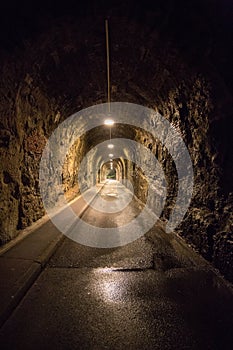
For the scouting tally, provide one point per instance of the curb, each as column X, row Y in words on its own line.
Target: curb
column 21, row 285
column 19, row 290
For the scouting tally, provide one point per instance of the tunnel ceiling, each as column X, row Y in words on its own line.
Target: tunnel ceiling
column 156, row 47
column 153, row 47
column 160, row 51
column 172, row 56
column 100, row 134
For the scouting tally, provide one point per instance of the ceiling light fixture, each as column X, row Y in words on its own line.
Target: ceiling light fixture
column 109, row 122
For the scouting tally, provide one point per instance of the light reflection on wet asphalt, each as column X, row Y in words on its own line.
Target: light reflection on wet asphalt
column 147, row 295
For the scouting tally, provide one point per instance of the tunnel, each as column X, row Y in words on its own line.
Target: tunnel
column 170, row 64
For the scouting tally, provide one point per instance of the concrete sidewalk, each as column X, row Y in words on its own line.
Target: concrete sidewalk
column 22, row 263
column 22, row 260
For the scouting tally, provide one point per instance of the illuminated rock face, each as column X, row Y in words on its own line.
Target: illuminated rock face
column 163, row 58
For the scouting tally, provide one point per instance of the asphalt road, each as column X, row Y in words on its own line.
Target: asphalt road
column 153, row 293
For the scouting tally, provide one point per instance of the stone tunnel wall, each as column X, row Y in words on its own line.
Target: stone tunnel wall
column 45, row 80
column 23, row 137
column 208, row 222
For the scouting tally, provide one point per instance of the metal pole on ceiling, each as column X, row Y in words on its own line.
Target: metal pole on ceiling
column 108, row 62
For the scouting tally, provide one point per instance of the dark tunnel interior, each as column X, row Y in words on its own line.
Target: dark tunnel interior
column 174, row 57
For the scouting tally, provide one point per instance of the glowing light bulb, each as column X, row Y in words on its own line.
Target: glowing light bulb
column 110, row 146
column 109, row 122
column 110, row 155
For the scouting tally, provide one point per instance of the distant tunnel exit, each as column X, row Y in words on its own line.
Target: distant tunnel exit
column 110, row 170
column 111, row 174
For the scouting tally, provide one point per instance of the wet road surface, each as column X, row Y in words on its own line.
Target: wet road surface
column 154, row 293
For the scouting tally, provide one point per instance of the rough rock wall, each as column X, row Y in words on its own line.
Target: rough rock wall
column 71, row 164
column 208, row 222
column 24, row 132
column 28, row 117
